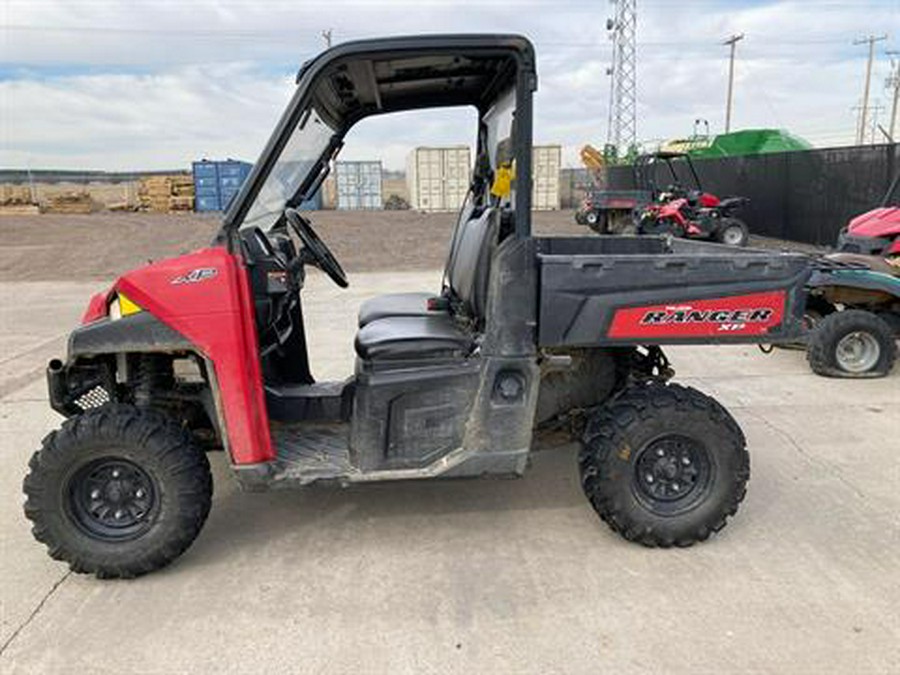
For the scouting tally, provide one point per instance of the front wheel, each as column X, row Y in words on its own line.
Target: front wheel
column 664, row 465
column 732, row 232
column 118, row 491
column 852, row 343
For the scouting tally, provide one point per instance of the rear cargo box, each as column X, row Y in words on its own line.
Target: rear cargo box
column 648, row 290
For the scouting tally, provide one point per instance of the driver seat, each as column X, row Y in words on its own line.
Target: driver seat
column 432, row 334
column 416, row 303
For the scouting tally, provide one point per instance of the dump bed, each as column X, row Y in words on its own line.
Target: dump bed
column 651, row 290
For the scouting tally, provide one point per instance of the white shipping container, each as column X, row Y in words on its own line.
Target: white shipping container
column 438, row 178
column 545, row 167
column 358, row 185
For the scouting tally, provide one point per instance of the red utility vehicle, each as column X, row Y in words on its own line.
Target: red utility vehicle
column 207, row 351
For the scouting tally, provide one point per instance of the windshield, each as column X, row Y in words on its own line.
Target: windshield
column 305, row 146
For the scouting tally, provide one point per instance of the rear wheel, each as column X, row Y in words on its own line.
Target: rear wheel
column 664, row 465
column 852, row 343
column 732, row 232
column 596, row 221
column 118, row 491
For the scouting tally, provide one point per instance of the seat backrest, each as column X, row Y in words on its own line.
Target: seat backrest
column 470, row 267
column 466, row 213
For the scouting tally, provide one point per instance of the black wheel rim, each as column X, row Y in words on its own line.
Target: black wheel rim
column 112, row 499
column 673, row 474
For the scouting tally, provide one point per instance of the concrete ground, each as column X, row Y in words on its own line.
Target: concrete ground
column 481, row 576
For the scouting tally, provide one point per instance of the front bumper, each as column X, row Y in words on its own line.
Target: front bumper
column 849, row 243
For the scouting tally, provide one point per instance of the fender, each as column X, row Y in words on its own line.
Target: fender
column 862, row 279
column 140, row 332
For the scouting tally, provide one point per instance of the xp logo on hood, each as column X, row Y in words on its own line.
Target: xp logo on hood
column 196, row 276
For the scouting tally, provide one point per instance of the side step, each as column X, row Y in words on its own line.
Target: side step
column 312, row 451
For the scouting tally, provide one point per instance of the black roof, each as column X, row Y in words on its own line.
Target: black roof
column 381, row 75
column 357, row 79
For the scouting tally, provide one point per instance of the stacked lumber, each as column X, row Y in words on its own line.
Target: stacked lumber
column 15, row 195
column 69, row 202
column 166, row 193
column 17, row 200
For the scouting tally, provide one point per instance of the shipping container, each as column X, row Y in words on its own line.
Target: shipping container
column 314, row 203
column 438, row 178
column 216, row 183
column 545, row 166
column 358, row 185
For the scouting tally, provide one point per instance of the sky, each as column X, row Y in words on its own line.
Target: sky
column 155, row 84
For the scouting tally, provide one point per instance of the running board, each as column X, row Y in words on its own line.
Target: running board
column 313, row 452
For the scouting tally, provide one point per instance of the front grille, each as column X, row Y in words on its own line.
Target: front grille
column 93, row 398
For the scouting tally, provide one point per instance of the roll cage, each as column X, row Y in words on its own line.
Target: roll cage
column 359, row 79
column 645, row 170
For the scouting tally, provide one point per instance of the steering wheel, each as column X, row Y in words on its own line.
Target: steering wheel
column 321, row 255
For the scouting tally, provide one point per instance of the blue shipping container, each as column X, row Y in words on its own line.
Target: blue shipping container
column 217, row 182
column 314, row 203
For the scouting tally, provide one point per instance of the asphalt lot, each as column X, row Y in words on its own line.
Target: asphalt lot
column 481, row 576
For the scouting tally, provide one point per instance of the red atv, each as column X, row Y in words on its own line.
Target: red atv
column 207, row 351
column 690, row 212
column 853, row 303
column 875, row 232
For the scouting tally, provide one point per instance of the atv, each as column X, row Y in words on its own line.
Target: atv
column 876, row 232
column 852, row 311
column 689, row 211
column 672, row 209
column 853, row 316
column 853, row 308
column 207, row 351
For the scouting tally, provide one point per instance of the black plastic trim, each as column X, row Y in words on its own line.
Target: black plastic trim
column 140, row 332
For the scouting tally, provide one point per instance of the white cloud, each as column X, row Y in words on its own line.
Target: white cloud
column 120, row 84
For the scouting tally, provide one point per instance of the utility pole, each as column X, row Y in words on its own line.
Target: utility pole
column 863, row 118
column 875, row 109
column 622, row 130
column 732, row 42
column 893, row 82
column 326, row 35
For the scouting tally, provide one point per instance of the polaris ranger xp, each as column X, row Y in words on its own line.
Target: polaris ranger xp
column 207, row 350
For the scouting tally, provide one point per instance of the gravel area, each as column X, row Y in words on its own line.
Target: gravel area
column 103, row 245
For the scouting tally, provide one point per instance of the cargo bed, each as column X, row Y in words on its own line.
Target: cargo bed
column 612, row 290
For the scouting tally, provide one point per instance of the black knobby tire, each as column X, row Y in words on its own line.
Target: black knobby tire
column 619, row 453
column 834, row 339
column 118, row 491
column 733, row 232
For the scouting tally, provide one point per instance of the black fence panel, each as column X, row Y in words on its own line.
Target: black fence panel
column 805, row 196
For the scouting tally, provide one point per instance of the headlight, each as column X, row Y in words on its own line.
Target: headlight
column 121, row 306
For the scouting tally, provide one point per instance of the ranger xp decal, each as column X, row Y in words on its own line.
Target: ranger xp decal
column 752, row 314
column 195, row 276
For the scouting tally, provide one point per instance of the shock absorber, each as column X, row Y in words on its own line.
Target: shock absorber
column 152, row 379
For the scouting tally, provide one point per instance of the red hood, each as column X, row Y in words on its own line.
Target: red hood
column 883, row 222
